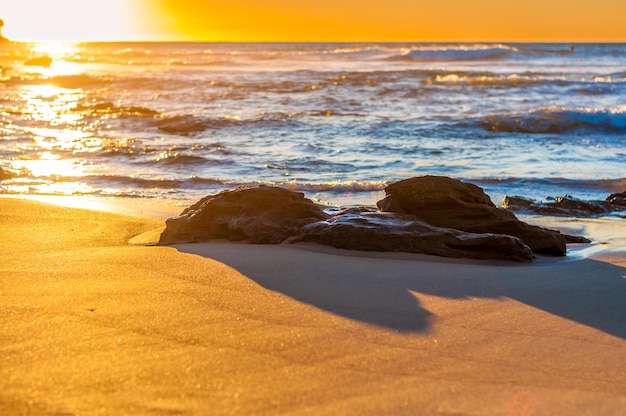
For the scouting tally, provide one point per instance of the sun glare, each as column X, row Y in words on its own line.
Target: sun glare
column 70, row 21
column 53, row 105
column 60, row 54
column 55, row 49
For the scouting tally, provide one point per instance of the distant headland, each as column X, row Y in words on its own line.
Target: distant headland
column 2, row 38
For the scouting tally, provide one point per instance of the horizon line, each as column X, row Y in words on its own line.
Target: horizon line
column 317, row 41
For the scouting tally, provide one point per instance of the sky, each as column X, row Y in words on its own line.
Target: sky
column 315, row 20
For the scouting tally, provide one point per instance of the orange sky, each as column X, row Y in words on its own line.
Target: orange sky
column 316, row 20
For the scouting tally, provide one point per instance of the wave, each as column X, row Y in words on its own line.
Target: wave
column 176, row 159
column 78, row 81
column 187, row 124
column 456, row 53
column 558, row 120
column 373, row 50
column 494, row 80
column 608, row 185
column 599, row 84
column 107, row 181
column 183, row 125
column 340, row 187
column 135, row 186
column 309, row 164
column 113, row 110
column 545, row 189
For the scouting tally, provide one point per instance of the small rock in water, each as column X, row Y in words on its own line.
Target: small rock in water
column 617, row 200
column 566, row 206
column 44, row 61
column 5, row 175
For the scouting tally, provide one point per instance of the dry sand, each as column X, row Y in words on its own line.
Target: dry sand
column 92, row 325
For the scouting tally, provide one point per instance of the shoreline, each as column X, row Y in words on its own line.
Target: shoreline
column 608, row 234
column 137, row 207
column 93, row 324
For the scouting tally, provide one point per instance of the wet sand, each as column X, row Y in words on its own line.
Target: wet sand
column 94, row 325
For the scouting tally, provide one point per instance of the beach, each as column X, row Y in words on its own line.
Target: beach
column 95, row 325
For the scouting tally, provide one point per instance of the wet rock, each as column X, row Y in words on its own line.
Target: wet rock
column 561, row 207
column 576, row 239
column 5, row 174
column 2, row 38
column 43, row 61
column 518, row 203
column 450, row 203
column 618, row 201
column 566, row 206
column 261, row 215
column 382, row 231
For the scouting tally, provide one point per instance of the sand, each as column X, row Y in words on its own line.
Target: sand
column 94, row 325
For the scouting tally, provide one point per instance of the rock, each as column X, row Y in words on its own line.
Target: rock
column 430, row 215
column 261, row 214
column 2, row 38
column 450, row 203
column 561, row 207
column 44, row 61
column 576, row 239
column 618, row 201
column 518, row 203
column 577, row 207
column 566, row 206
column 382, row 231
column 5, row 175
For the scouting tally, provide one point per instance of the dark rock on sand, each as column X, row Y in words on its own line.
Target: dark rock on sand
column 450, row 203
column 357, row 229
column 263, row 215
column 429, row 215
column 272, row 215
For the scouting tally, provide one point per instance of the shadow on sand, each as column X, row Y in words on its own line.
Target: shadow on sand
column 376, row 288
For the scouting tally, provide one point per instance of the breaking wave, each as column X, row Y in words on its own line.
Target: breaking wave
column 558, row 120
column 456, row 53
column 583, row 85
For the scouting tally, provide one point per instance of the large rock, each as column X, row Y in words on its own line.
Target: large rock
column 355, row 229
column 262, row 215
column 450, row 203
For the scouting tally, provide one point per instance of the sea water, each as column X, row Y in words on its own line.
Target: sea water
column 178, row 121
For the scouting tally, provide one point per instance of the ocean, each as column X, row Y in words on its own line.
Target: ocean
column 173, row 122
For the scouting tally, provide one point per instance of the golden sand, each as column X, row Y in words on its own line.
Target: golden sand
column 93, row 325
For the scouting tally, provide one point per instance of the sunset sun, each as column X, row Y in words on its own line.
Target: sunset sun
column 73, row 20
